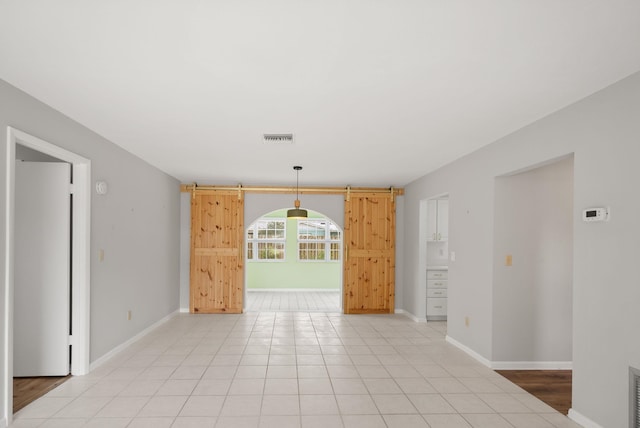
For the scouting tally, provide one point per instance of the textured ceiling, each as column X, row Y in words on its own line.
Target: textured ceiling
column 376, row 92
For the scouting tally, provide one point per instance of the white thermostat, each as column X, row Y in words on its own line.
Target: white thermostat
column 596, row 214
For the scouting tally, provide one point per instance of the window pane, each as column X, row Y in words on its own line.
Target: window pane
column 266, row 240
column 311, row 250
column 271, row 229
column 335, row 251
column 270, row 251
column 311, row 230
column 334, row 232
column 249, row 250
column 318, row 240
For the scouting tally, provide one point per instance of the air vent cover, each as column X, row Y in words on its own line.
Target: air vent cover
column 634, row 397
column 278, row 138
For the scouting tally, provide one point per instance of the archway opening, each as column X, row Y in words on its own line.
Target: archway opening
column 293, row 264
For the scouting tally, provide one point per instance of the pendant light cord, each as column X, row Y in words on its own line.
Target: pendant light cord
column 297, row 212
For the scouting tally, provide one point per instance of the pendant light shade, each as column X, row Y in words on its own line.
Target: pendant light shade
column 297, row 212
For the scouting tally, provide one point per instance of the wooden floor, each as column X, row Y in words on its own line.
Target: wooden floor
column 28, row 389
column 551, row 386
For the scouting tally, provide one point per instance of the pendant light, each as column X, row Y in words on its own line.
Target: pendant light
column 297, row 212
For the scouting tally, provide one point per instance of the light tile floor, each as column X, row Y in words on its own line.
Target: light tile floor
column 288, row 300
column 291, row 369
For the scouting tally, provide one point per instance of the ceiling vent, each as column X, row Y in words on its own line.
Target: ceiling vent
column 278, row 138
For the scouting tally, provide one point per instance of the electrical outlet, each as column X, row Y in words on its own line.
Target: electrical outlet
column 508, row 261
column 129, row 315
column 466, row 321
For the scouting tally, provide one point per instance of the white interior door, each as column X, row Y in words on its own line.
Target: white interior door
column 42, row 269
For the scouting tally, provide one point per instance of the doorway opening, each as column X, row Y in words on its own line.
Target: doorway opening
column 42, row 283
column 77, row 343
column 533, row 272
column 434, row 256
column 293, row 264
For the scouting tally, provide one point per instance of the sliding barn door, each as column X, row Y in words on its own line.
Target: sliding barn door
column 217, row 233
column 369, row 237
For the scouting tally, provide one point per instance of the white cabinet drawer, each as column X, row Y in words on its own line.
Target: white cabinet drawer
column 436, row 306
column 434, row 283
column 436, row 292
column 437, row 274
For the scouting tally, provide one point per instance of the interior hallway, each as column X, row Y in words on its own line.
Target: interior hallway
column 291, row 370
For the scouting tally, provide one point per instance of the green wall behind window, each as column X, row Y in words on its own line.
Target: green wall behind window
column 292, row 273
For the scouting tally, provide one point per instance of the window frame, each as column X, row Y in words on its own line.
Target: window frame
column 252, row 244
column 327, row 241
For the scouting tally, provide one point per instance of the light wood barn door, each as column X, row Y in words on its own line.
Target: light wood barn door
column 369, row 236
column 217, row 233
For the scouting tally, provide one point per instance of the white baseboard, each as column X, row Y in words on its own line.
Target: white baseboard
column 582, row 420
column 512, row 365
column 100, row 361
column 184, row 310
column 410, row 315
column 469, row 351
column 532, row 365
column 293, row 290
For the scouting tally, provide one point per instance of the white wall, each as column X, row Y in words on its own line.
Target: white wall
column 532, row 299
column 603, row 131
column 258, row 204
column 136, row 223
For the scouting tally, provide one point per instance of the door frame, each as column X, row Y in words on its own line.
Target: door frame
column 81, row 252
column 422, row 252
